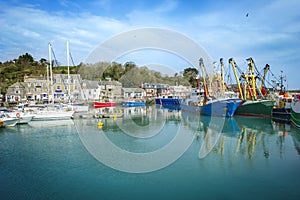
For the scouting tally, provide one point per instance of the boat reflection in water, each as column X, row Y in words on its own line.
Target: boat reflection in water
column 144, row 129
column 248, row 137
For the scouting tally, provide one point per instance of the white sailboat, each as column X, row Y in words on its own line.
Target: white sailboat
column 77, row 107
column 45, row 115
column 54, row 112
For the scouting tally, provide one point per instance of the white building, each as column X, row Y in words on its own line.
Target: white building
column 138, row 93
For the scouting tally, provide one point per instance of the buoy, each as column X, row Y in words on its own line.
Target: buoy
column 100, row 124
column 18, row 115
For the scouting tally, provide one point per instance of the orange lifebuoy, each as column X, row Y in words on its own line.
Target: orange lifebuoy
column 18, row 115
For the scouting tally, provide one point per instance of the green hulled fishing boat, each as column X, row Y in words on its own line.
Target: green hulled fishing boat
column 261, row 108
column 254, row 98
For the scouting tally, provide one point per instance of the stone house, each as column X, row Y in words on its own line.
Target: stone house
column 90, row 90
column 38, row 88
column 16, row 92
column 62, row 86
column 110, row 90
column 101, row 90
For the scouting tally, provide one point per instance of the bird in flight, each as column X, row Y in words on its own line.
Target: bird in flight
column 247, row 14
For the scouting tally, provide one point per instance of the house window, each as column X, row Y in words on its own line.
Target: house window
column 17, row 92
column 58, row 87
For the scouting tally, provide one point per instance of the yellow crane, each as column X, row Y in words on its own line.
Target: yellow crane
column 233, row 64
column 251, row 79
column 262, row 87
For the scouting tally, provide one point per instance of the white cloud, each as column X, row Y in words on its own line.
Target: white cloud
column 39, row 27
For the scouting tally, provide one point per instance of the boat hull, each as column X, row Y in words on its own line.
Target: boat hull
column 168, row 101
column 260, row 108
column 98, row 104
column 25, row 119
column 133, row 103
column 7, row 122
column 223, row 107
column 281, row 114
column 52, row 115
column 295, row 111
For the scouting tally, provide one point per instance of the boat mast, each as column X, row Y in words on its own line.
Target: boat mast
column 282, row 78
column 222, row 76
column 251, row 76
column 233, row 64
column 262, row 87
column 48, row 83
column 68, row 63
column 206, row 95
column 51, row 75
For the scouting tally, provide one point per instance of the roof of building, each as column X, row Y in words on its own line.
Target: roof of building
column 87, row 84
column 136, row 90
column 117, row 83
column 17, row 84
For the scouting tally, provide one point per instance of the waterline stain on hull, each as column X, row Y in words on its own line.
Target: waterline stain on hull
column 261, row 108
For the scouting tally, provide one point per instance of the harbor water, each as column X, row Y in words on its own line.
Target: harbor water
column 151, row 153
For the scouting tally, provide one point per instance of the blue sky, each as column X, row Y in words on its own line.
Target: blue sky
column 270, row 34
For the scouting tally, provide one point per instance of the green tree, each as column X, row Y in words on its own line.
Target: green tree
column 129, row 66
column 190, row 74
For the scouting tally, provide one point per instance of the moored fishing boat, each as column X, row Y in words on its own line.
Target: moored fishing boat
column 221, row 107
column 252, row 104
column 283, row 101
column 259, row 108
column 201, row 100
column 168, row 100
column 295, row 111
column 282, row 108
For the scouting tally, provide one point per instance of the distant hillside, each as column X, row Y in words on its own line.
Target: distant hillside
column 14, row 70
column 128, row 74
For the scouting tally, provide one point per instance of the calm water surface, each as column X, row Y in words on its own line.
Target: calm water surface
column 252, row 158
